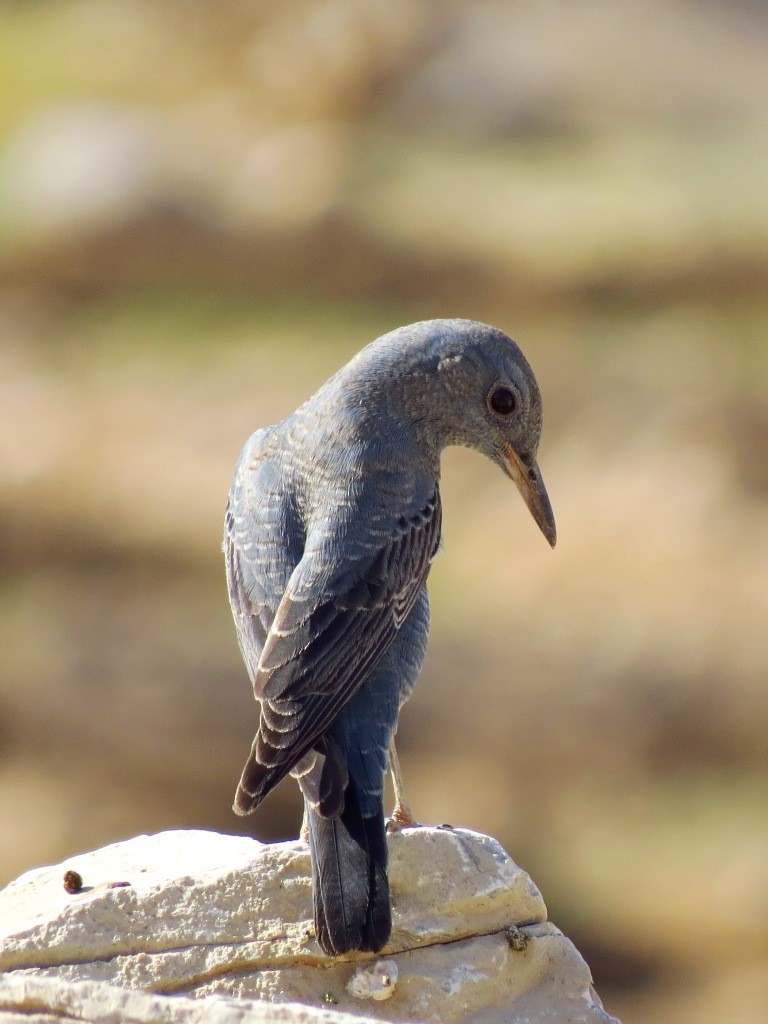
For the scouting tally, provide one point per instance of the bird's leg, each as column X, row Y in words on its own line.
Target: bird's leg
column 304, row 830
column 402, row 815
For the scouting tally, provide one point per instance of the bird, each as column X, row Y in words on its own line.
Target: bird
column 332, row 523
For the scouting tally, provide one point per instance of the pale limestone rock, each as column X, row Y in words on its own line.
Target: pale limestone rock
column 211, row 916
column 374, row 981
column 51, row 1001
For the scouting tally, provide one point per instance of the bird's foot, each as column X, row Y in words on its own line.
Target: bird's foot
column 402, row 817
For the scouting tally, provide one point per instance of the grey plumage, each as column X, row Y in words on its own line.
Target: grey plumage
column 333, row 520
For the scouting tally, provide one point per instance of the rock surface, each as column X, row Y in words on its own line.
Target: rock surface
column 48, row 1001
column 207, row 916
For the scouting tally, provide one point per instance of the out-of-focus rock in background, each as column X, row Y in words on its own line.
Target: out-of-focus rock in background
column 205, row 209
column 191, row 913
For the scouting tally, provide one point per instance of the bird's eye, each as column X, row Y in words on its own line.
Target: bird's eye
column 502, row 401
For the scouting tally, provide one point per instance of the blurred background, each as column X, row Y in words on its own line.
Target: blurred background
column 205, row 208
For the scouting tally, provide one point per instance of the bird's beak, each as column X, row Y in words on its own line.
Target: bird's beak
column 527, row 477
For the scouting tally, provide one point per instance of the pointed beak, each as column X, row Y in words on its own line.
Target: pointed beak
column 527, row 477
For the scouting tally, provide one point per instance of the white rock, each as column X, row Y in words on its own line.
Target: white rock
column 211, row 916
column 375, row 981
column 37, row 1000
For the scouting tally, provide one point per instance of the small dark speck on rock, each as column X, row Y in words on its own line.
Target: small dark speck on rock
column 73, row 882
column 516, row 937
column 117, row 885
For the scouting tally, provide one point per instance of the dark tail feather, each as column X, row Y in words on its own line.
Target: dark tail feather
column 349, row 879
column 323, row 777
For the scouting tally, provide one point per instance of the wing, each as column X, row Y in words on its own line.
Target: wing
column 329, row 632
column 263, row 543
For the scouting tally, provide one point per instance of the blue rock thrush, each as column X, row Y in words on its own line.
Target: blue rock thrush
column 332, row 523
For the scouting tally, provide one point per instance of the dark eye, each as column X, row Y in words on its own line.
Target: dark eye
column 502, row 401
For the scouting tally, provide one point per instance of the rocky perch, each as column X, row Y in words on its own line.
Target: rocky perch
column 195, row 926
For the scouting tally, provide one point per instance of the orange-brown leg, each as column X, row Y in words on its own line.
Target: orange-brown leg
column 402, row 815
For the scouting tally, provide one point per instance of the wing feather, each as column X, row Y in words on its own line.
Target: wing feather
column 324, row 642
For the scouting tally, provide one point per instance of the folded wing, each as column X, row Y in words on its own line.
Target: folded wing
column 329, row 631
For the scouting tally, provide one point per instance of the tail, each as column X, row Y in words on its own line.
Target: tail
column 349, row 878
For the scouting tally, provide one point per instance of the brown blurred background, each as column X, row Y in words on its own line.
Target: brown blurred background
column 205, row 208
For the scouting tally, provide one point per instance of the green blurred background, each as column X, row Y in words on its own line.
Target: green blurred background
column 205, row 208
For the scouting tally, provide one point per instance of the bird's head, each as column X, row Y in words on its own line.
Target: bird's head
column 475, row 388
